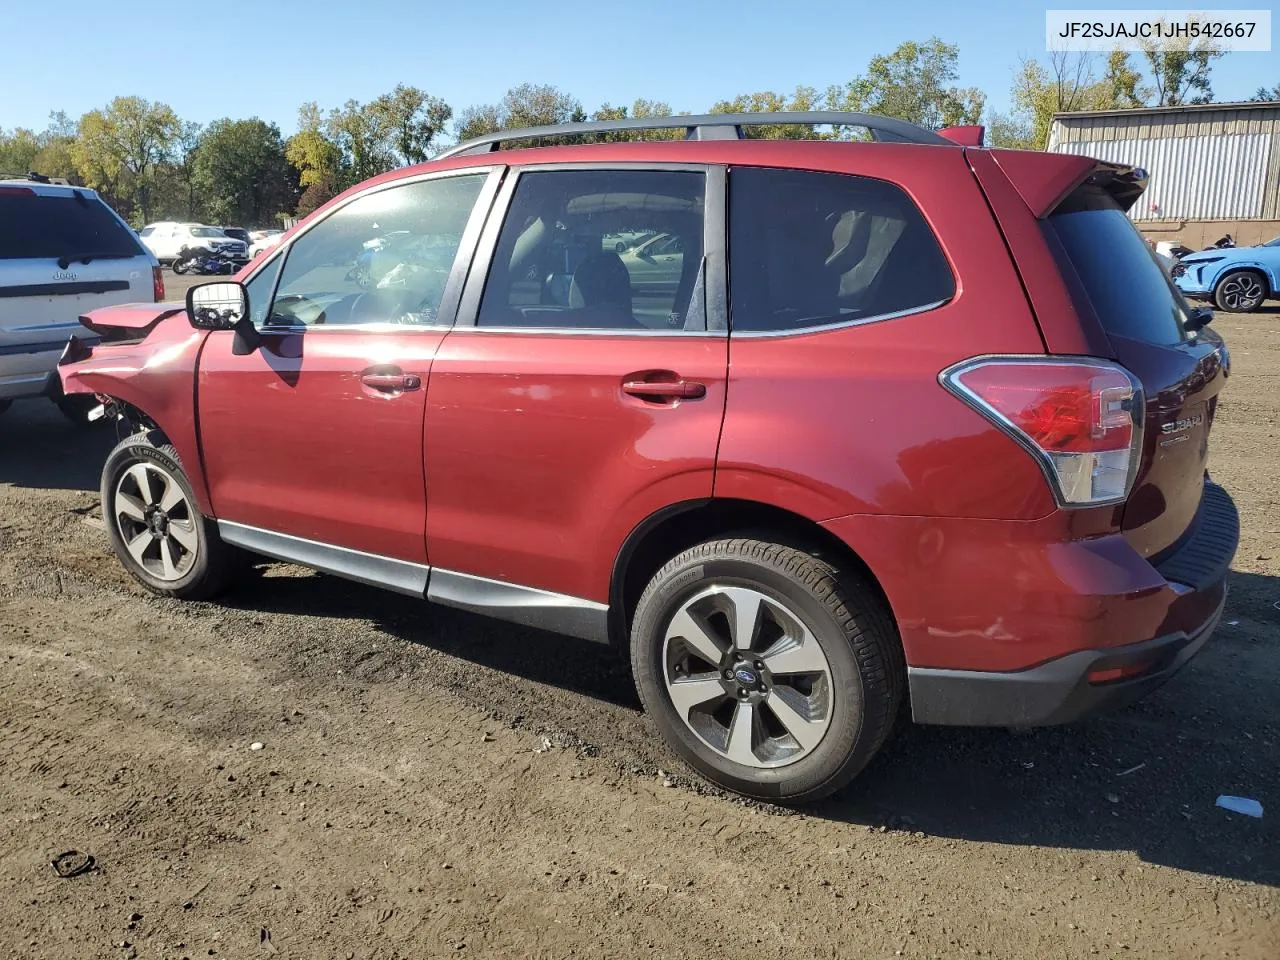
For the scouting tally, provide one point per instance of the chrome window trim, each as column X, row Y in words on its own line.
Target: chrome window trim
column 839, row 325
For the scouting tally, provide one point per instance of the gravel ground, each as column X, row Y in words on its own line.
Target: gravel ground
column 437, row 784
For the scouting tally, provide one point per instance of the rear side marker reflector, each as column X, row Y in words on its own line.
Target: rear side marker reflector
column 1080, row 418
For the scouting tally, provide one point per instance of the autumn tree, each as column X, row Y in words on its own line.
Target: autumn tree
column 119, row 148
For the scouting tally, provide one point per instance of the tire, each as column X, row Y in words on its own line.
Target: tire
column 199, row 565
column 180, row 266
column 76, row 408
column 846, row 636
column 1240, row 291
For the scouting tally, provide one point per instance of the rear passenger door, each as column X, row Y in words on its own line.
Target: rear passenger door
column 580, row 390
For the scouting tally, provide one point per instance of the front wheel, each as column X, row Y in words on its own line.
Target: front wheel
column 1240, row 291
column 154, row 525
column 180, row 266
column 770, row 671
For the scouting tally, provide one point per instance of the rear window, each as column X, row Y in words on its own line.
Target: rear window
column 49, row 227
column 1126, row 286
column 808, row 249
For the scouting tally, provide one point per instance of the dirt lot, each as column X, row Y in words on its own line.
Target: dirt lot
column 436, row 784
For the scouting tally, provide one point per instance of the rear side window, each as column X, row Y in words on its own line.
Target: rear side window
column 1118, row 273
column 46, row 227
column 809, row 249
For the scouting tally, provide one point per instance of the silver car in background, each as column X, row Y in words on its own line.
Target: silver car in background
column 63, row 252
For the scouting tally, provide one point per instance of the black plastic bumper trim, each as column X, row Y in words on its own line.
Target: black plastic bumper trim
column 1054, row 692
column 1205, row 554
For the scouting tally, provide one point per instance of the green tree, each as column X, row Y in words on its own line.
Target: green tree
column 528, row 105
column 769, row 101
column 120, row 148
column 1264, row 94
column 411, row 119
column 914, row 83
column 18, row 149
column 360, row 132
column 1070, row 82
column 639, row 110
column 1180, row 70
column 241, row 172
column 1012, row 131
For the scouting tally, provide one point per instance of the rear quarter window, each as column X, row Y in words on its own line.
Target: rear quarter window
column 809, row 249
column 1118, row 273
column 34, row 226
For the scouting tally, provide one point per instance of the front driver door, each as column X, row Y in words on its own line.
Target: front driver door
column 312, row 442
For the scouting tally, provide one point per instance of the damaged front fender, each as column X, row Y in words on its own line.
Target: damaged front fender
column 147, row 359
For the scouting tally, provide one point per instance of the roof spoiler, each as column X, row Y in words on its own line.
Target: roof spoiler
column 971, row 136
column 1044, row 180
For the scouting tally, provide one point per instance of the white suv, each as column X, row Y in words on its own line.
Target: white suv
column 63, row 252
column 167, row 239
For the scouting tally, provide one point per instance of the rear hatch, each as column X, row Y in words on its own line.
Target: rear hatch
column 1114, row 275
column 62, row 253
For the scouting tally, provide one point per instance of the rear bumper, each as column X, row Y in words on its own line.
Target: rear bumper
column 1009, row 624
column 1055, row 692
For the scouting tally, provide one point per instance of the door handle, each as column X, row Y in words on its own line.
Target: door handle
column 665, row 389
column 391, row 381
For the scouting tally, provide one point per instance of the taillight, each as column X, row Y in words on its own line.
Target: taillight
column 1080, row 418
column 157, row 283
column 17, row 192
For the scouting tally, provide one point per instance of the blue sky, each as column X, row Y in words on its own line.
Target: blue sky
column 264, row 58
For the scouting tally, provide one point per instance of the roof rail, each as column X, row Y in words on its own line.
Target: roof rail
column 715, row 126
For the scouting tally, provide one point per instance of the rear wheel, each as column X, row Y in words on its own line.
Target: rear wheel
column 180, row 266
column 154, row 525
column 1240, row 291
column 770, row 671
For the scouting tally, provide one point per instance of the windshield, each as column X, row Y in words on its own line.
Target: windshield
column 206, row 232
column 1273, row 243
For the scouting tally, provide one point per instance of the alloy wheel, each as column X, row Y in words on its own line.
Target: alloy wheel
column 1241, row 292
column 747, row 676
column 156, row 522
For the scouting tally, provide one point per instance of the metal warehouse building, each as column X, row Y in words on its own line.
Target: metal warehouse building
column 1215, row 168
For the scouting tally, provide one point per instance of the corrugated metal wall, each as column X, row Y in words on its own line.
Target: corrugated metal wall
column 1192, row 178
column 1218, row 164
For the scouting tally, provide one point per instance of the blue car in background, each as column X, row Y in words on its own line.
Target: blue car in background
column 1235, row 279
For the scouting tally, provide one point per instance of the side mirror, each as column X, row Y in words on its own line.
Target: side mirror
column 221, row 305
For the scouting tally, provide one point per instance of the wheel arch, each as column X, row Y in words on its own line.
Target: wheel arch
column 679, row 526
column 1269, row 276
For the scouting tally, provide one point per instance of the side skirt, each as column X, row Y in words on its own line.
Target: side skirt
column 527, row 606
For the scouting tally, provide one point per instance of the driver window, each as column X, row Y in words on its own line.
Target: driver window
column 383, row 258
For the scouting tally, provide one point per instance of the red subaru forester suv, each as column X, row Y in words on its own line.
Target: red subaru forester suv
column 810, row 426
